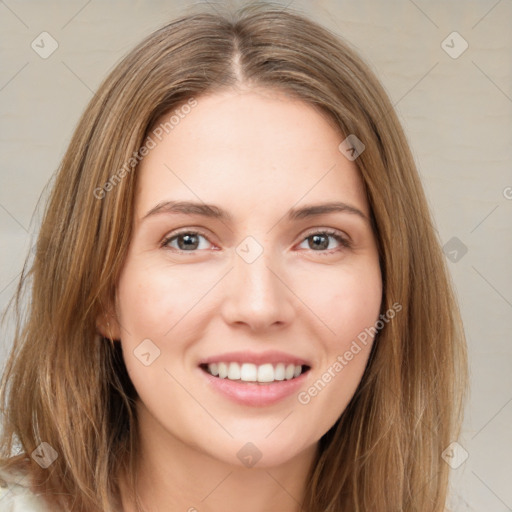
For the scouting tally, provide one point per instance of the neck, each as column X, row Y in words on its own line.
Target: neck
column 172, row 475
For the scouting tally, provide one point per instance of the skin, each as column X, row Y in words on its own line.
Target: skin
column 255, row 153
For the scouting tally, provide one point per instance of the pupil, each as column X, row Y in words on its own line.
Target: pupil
column 188, row 243
column 326, row 241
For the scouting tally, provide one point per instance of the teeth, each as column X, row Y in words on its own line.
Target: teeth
column 223, row 370
column 234, row 371
column 249, row 372
column 266, row 373
column 290, row 370
column 279, row 372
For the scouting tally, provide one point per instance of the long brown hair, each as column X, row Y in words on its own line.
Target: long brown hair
column 67, row 386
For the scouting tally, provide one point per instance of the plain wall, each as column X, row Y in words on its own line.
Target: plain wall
column 457, row 114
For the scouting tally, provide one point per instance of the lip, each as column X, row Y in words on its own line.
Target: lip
column 257, row 358
column 253, row 393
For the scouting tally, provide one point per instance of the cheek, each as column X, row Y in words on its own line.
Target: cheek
column 151, row 303
column 349, row 305
column 346, row 302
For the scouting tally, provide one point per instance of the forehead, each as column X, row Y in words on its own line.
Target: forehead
column 250, row 149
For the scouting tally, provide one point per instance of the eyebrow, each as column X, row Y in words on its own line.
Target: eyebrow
column 215, row 212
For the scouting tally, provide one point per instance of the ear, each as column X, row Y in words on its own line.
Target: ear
column 107, row 324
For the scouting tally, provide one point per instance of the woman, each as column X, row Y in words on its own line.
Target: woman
column 237, row 287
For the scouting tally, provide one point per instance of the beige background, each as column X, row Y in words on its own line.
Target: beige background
column 457, row 113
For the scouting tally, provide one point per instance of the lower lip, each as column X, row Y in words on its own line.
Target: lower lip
column 253, row 393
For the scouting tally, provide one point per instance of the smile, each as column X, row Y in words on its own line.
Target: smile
column 250, row 372
column 257, row 379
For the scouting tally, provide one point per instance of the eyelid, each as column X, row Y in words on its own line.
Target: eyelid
column 344, row 240
column 327, row 231
column 180, row 231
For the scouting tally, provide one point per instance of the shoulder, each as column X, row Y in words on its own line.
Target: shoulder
column 16, row 495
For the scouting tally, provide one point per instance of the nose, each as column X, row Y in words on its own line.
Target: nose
column 258, row 294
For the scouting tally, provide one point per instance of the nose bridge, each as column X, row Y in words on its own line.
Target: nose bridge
column 257, row 277
column 257, row 293
column 253, row 270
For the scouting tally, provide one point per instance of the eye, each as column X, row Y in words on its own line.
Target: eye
column 319, row 241
column 187, row 241
column 190, row 241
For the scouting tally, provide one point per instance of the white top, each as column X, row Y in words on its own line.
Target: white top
column 16, row 496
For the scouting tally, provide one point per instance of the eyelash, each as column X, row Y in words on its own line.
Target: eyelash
column 344, row 242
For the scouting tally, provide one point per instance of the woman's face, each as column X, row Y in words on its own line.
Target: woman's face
column 255, row 279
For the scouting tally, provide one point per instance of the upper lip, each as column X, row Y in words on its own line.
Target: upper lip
column 257, row 358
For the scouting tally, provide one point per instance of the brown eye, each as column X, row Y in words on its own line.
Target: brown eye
column 187, row 241
column 320, row 241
